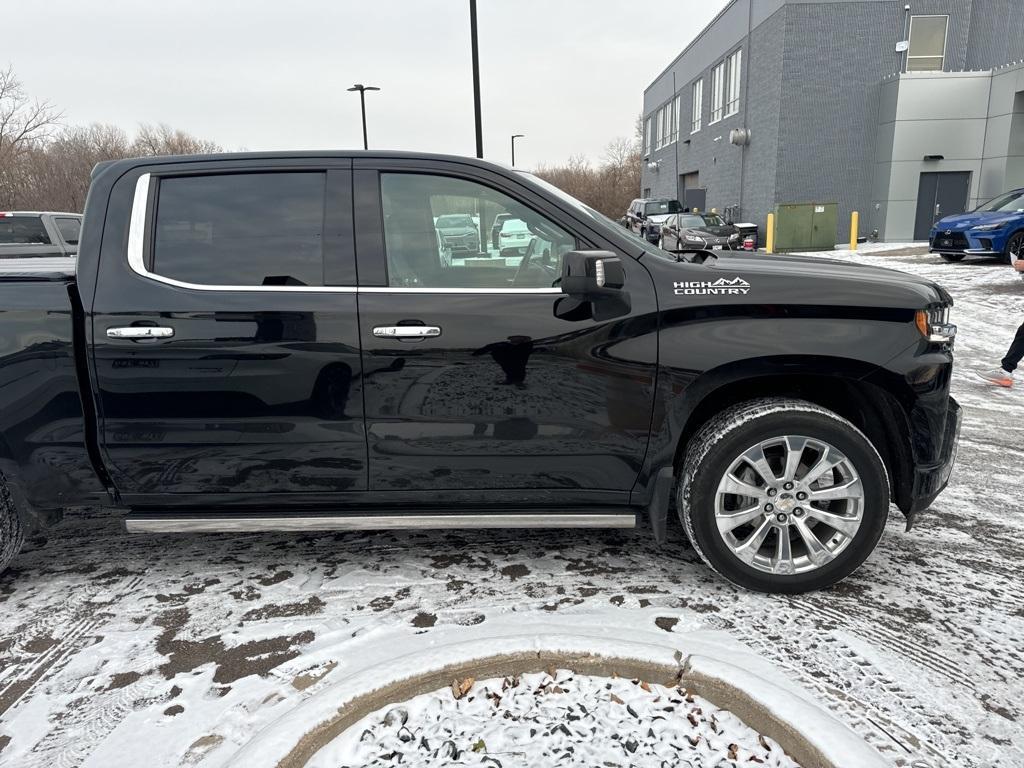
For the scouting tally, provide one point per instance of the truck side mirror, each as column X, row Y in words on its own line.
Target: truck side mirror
column 591, row 274
column 597, row 278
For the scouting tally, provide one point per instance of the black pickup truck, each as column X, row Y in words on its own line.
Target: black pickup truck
column 282, row 342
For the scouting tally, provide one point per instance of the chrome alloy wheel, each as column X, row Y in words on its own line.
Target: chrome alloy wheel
column 789, row 504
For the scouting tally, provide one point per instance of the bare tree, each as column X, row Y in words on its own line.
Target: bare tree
column 58, row 174
column 609, row 187
column 45, row 167
column 24, row 124
column 163, row 140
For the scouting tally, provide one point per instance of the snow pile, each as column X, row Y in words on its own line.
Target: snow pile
column 553, row 718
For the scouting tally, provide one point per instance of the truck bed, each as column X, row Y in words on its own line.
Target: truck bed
column 41, row 268
column 41, row 413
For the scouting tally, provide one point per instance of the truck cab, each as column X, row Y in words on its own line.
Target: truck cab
column 28, row 234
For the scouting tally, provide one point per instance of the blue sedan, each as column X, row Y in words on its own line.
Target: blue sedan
column 994, row 229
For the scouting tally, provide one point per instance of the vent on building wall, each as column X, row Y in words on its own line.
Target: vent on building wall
column 739, row 136
column 934, row 157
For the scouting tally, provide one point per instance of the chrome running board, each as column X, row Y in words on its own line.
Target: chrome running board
column 191, row 523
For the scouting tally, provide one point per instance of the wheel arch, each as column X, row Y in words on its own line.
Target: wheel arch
column 833, row 383
column 1009, row 238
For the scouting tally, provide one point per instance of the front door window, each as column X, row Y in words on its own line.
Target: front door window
column 443, row 232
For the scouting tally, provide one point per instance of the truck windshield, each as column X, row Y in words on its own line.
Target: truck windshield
column 662, row 206
column 22, row 230
column 1011, row 202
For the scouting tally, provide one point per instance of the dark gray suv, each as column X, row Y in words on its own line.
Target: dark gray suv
column 646, row 215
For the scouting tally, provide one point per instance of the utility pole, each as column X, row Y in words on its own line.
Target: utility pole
column 514, row 137
column 362, row 105
column 476, row 80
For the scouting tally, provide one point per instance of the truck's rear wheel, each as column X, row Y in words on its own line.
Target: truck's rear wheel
column 781, row 495
column 12, row 535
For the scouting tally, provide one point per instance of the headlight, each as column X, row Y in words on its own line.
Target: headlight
column 693, row 238
column 734, row 236
column 934, row 325
column 992, row 227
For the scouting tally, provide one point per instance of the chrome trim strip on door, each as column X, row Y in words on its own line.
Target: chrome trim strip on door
column 385, row 289
column 406, row 331
column 136, row 260
column 140, row 332
column 375, row 522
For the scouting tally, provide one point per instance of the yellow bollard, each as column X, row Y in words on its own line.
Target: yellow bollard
column 854, row 221
column 769, row 238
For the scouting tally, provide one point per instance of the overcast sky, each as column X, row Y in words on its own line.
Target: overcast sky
column 257, row 74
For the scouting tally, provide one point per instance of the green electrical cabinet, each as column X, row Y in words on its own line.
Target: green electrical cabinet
column 806, row 227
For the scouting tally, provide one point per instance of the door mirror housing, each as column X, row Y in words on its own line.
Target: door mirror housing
column 590, row 275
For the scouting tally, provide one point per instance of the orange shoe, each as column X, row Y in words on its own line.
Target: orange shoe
column 997, row 376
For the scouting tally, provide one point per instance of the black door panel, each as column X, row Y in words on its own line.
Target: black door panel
column 508, row 396
column 512, row 393
column 258, row 390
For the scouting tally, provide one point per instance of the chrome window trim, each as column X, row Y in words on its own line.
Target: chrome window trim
column 483, row 291
column 137, row 263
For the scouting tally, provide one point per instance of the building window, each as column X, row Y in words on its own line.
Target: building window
column 927, row 43
column 647, row 136
column 698, row 105
column 733, row 66
column 675, row 118
column 659, row 129
column 717, row 100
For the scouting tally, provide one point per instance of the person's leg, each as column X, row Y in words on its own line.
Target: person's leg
column 1003, row 375
column 1016, row 351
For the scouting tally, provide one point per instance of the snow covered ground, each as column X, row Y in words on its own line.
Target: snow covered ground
column 553, row 718
column 176, row 650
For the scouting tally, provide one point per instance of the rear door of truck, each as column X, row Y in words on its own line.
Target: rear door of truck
column 225, row 335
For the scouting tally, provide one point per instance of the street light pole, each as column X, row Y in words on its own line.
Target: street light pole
column 514, row 137
column 476, row 79
column 362, row 105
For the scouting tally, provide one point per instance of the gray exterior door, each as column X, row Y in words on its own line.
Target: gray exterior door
column 940, row 194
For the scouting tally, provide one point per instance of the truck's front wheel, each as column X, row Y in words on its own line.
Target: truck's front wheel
column 12, row 535
column 782, row 495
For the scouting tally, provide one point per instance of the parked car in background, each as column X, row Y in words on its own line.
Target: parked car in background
column 697, row 232
column 499, row 220
column 458, row 231
column 646, row 215
column 514, row 237
column 24, row 234
column 993, row 229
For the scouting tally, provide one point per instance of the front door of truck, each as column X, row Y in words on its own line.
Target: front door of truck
column 477, row 377
column 225, row 335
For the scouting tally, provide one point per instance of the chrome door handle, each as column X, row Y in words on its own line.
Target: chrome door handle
column 406, row 331
column 140, row 332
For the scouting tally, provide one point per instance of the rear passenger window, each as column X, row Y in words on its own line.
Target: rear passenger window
column 69, row 229
column 241, row 229
column 22, row 230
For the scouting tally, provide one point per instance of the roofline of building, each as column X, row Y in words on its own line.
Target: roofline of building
column 693, row 42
